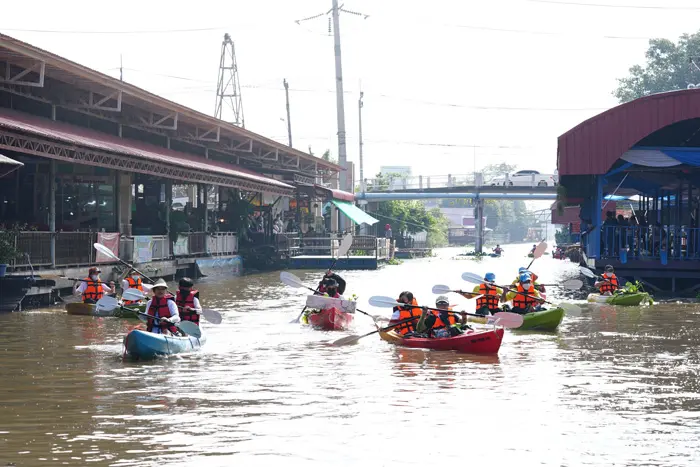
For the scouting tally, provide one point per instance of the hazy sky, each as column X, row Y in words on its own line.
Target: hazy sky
column 506, row 76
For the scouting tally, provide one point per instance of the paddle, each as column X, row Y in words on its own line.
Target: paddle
column 539, row 251
column 502, row 318
column 107, row 252
column 348, row 340
column 210, row 315
column 573, row 284
column 291, row 280
column 568, row 307
column 343, row 249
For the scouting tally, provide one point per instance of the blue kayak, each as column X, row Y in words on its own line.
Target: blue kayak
column 144, row 344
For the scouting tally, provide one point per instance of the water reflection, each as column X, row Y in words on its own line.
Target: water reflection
column 613, row 386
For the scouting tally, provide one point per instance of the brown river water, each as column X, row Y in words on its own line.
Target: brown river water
column 613, row 386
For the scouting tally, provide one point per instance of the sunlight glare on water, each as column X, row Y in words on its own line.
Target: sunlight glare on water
column 614, row 386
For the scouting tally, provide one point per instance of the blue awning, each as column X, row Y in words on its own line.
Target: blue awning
column 357, row 215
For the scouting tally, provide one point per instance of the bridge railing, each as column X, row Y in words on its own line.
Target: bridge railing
column 475, row 179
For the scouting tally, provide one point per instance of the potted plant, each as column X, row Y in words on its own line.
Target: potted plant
column 8, row 250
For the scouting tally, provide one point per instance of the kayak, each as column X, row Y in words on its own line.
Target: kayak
column 545, row 320
column 90, row 309
column 494, row 255
column 621, row 299
column 530, row 255
column 474, row 342
column 144, row 344
column 329, row 319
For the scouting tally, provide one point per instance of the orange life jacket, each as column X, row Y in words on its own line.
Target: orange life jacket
column 439, row 323
column 159, row 309
column 489, row 298
column 133, row 284
column 611, row 286
column 187, row 300
column 93, row 290
column 526, row 299
column 406, row 313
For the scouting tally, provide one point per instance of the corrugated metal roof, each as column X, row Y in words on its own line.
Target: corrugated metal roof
column 592, row 147
column 87, row 138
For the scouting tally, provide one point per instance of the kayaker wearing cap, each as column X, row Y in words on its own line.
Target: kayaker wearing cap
column 525, row 300
column 490, row 298
column 402, row 313
column 443, row 323
column 187, row 301
column 330, row 275
column 91, row 289
column 522, row 271
column 132, row 281
column 609, row 284
column 164, row 307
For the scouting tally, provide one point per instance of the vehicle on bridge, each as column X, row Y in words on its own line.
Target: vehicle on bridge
column 526, row 178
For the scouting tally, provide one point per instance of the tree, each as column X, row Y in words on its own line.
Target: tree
column 327, row 157
column 494, row 170
column 668, row 67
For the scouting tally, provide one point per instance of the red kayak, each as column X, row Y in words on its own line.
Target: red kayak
column 474, row 342
column 330, row 319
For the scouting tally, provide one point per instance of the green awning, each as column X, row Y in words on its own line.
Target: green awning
column 357, row 215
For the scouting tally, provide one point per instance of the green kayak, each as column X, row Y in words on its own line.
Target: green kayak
column 545, row 320
column 621, row 299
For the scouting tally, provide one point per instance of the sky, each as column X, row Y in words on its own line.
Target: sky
column 449, row 85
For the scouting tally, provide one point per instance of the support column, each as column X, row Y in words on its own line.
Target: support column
column 205, row 200
column 124, row 202
column 596, row 219
column 168, row 204
column 52, row 209
column 334, row 218
column 479, row 227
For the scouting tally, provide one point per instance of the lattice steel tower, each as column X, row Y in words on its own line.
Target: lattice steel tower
column 228, row 89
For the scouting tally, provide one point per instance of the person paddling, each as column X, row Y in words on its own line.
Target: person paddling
column 91, row 289
column 162, row 306
column 488, row 303
column 405, row 312
column 330, row 275
column 610, row 283
column 445, row 323
column 332, row 288
column 132, row 281
column 187, row 301
column 498, row 250
column 525, row 296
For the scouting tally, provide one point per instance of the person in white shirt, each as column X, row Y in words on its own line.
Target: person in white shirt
column 91, row 289
column 162, row 306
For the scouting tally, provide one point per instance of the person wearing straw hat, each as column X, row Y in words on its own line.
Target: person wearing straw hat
column 163, row 307
column 91, row 289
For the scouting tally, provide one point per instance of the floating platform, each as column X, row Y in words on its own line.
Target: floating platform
column 409, row 253
column 323, row 262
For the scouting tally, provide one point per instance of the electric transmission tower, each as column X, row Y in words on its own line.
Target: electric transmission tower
column 228, row 89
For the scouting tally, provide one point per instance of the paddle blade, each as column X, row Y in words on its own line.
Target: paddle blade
column 345, row 245
column 213, row 316
column 105, row 251
column 348, row 340
column 107, row 304
column 147, row 287
column 573, row 284
column 506, row 319
column 188, row 327
column 133, row 295
column 383, row 302
column 290, row 279
column 473, row 278
column 540, row 249
column 587, row 272
column 441, row 289
column 570, row 308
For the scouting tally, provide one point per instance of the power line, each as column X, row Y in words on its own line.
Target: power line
column 146, row 31
column 611, row 5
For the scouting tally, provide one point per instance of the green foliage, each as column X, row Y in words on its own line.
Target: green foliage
column 394, row 262
column 494, row 170
column 327, row 157
column 632, row 288
column 667, row 68
column 563, row 236
column 437, row 234
column 8, row 251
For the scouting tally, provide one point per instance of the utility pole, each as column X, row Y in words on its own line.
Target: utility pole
column 340, row 104
column 362, row 172
column 289, row 120
column 228, row 88
column 121, row 68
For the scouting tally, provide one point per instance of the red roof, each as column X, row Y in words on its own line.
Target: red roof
column 343, row 195
column 63, row 132
column 592, row 147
